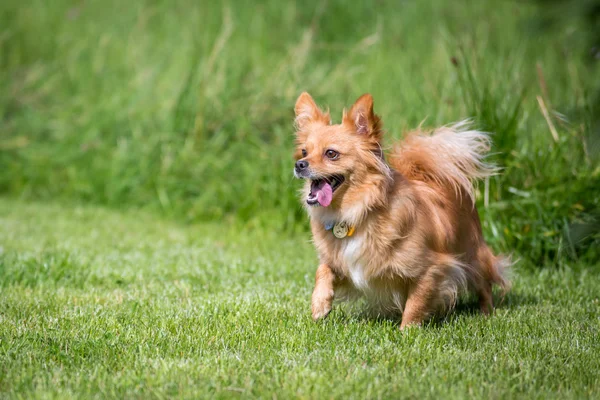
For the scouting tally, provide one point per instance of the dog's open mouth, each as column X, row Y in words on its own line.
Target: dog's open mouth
column 321, row 190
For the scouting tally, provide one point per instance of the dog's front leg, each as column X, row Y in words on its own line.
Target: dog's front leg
column 323, row 294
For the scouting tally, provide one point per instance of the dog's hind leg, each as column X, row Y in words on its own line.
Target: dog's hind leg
column 435, row 292
column 422, row 297
column 481, row 285
column 492, row 270
column 484, row 292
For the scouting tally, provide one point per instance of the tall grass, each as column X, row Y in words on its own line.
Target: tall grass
column 186, row 107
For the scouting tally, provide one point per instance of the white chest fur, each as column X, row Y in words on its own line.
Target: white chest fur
column 352, row 253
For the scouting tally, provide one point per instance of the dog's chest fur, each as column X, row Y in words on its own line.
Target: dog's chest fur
column 348, row 256
column 361, row 258
column 352, row 255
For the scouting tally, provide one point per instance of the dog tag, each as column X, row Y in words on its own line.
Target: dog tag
column 340, row 230
column 350, row 231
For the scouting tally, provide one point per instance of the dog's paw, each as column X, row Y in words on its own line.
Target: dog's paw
column 411, row 326
column 320, row 312
column 321, row 305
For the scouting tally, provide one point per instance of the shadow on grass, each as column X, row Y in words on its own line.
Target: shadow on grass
column 467, row 306
column 470, row 304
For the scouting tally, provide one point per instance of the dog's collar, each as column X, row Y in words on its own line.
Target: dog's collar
column 340, row 229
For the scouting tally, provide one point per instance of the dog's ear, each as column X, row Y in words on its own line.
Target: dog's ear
column 307, row 112
column 362, row 118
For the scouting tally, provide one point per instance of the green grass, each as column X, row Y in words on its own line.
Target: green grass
column 151, row 241
column 99, row 303
column 185, row 107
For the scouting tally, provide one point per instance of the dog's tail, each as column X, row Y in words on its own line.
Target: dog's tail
column 452, row 156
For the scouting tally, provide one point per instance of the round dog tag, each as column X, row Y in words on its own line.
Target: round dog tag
column 340, row 230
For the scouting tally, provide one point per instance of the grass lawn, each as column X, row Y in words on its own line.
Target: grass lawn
column 98, row 303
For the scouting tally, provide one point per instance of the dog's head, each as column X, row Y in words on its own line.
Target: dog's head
column 339, row 162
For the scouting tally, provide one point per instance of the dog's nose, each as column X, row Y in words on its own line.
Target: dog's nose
column 301, row 165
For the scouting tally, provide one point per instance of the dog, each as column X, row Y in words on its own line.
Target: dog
column 404, row 233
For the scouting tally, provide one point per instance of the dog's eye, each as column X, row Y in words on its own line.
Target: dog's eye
column 303, row 153
column 332, row 154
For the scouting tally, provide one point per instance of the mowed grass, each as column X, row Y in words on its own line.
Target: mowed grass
column 185, row 107
column 97, row 303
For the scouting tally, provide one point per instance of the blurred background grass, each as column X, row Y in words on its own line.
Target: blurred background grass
column 185, row 108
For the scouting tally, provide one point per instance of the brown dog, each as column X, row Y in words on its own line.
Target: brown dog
column 404, row 234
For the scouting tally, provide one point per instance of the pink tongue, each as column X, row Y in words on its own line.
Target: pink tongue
column 324, row 194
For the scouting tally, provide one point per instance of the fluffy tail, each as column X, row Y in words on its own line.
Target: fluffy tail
column 451, row 156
